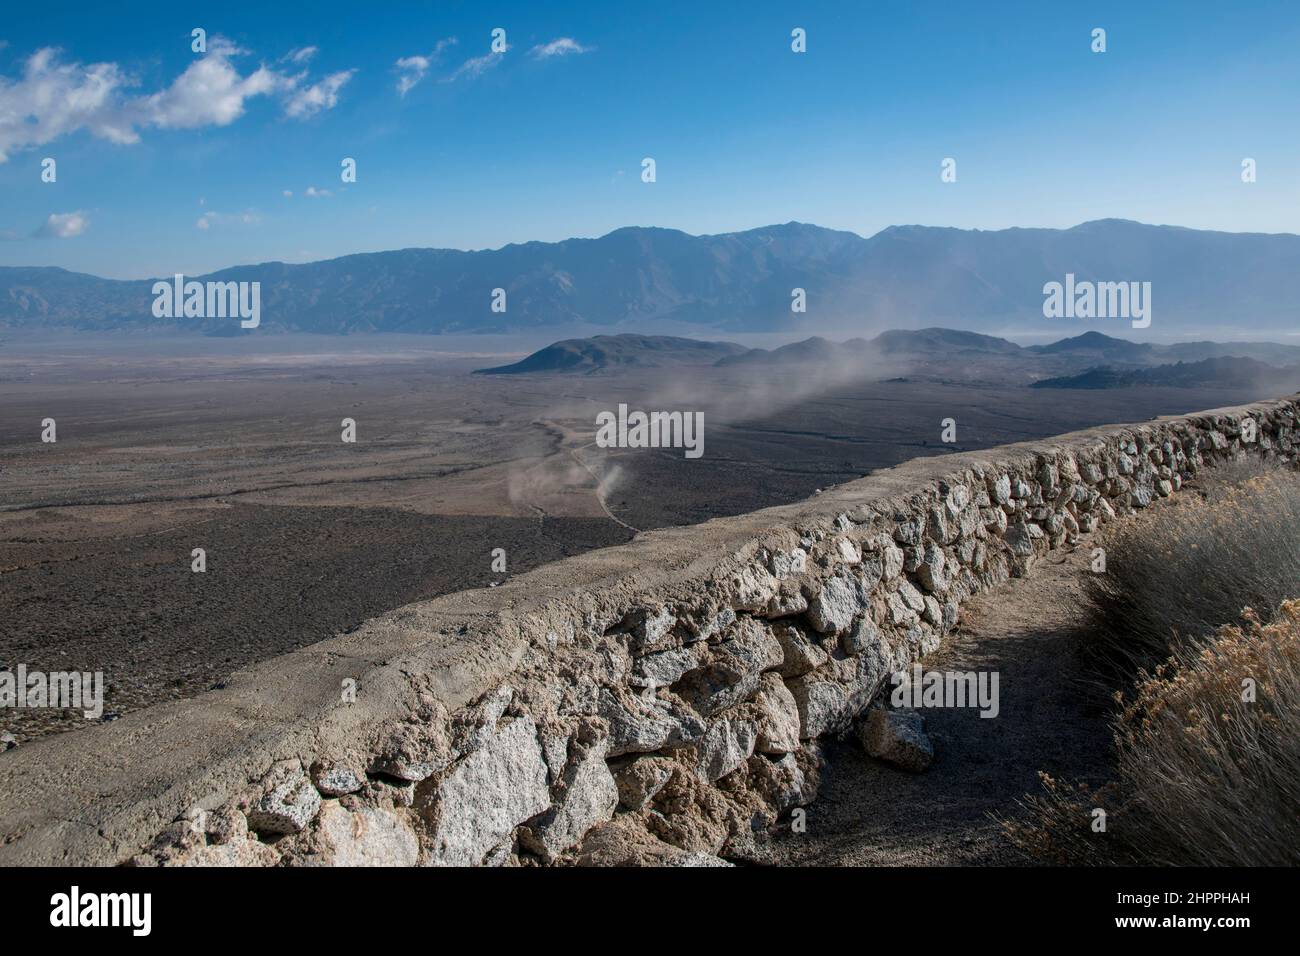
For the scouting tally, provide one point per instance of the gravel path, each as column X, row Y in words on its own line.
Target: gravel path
column 869, row 814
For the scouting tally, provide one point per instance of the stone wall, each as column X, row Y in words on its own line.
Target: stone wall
column 659, row 702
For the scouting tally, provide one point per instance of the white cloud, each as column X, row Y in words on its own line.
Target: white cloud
column 301, row 55
column 209, row 93
column 315, row 193
column 52, row 98
column 211, row 218
column 288, row 194
column 475, row 66
column 412, row 69
column 561, row 46
column 310, row 100
column 63, row 225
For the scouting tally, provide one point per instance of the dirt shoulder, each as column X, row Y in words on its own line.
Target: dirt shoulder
column 869, row 814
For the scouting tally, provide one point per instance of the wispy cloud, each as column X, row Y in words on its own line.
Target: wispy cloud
column 478, row 65
column 412, row 69
column 301, row 55
column 53, row 98
column 561, row 46
column 63, row 225
column 311, row 192
column 310, row 100
column 475, row 66
column 250, row 217
column 211, row 218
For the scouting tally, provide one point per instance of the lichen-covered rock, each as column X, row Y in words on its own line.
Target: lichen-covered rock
column 931, row 572
column 835, row 606
column 725, row 746
column 932, row 613
column 731, row 674
column 891, row 562
column 665, row 667
column 226, row 825
column 624, row 841
column 863, row 635
column 639, row 779
column 910, row 529
column 649, row 628
column 821, row 704
column 800, row 653
column 781, row 782
column 366, row 836
column 642, row 724
column 786, row 564
column 335, row 781
column 696, row 860
column 778, row 717
column 911, row 596
column 483, row 797
column 239, row 853
column 288, row 804
column 585, row 795
column 897, row 737
column 1021, row 536
column 1000, row 489
column 899, row 612
column 419, row 749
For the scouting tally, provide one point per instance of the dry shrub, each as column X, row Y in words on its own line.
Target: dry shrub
column 1203, row 777
column 1190, row 564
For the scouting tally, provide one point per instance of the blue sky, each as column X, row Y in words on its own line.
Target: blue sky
column 170, row 161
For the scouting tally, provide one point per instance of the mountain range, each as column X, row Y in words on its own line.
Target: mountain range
column 1223, row 372
column 902, row 277
column 1090, row 360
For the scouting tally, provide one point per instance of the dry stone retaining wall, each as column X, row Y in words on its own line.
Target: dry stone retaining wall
column 657, row 703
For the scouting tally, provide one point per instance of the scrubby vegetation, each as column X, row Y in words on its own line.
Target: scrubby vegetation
column 1207, row 741
column 1208, row 762
column 1192, row 565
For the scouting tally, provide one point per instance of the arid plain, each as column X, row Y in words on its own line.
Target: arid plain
column 168, row 446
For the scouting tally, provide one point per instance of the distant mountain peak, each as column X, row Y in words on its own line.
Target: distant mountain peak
column 654, row 278
column 626, row 350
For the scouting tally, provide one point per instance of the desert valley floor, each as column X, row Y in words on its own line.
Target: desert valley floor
column 237, row 451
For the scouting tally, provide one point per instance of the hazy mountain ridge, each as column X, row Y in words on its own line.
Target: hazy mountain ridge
column 947, row 354
column 1222, row 371
column 902, row 277
column 618, row 351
